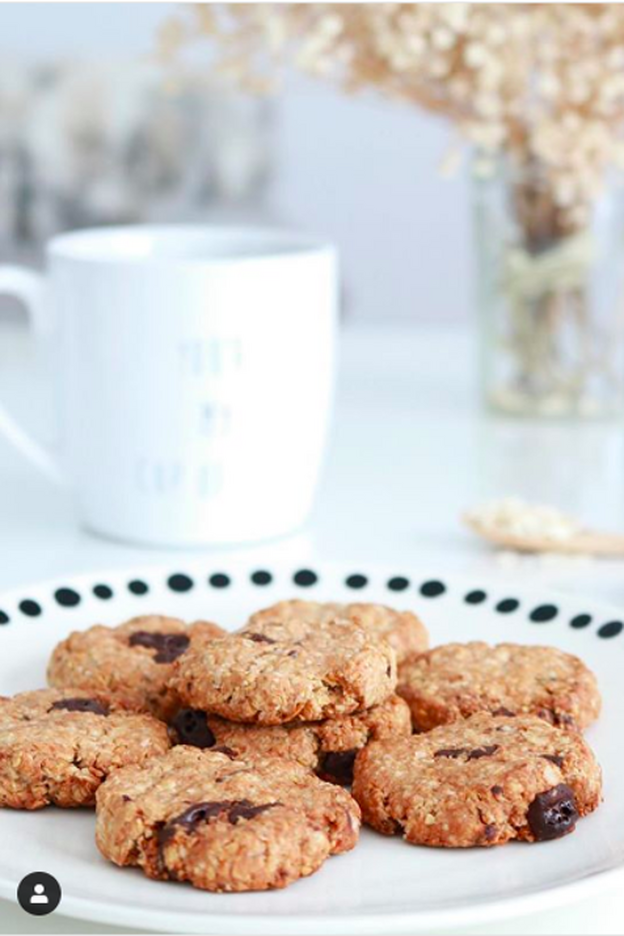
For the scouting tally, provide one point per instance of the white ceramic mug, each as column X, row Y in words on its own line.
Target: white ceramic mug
column 196, row 371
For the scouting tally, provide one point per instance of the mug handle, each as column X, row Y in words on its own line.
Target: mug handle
column 29, row 288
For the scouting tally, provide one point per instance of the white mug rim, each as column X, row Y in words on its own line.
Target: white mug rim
column 263, row 244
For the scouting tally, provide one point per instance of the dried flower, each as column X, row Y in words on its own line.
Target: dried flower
column 540, row 82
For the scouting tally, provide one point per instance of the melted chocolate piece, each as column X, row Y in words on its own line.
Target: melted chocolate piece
column 483, row 752
column 473, row 754
column 189, row 819
column 337, row 767
column 556, row 759
column 191, row 727
column 260, row 638
column 496, row 790
column 80, row 705
column 504, row 711
column 558, row 719
column 489, row 833
column 168, row 647
column 552, row 814
column 232, row 810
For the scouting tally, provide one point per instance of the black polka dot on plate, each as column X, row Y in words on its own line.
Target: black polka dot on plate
column 611, row 629
column 103, row 591
column 261, row 577
column 67, row 597
column 138, row 587
column 179, row 582
column 4, row 618
column 219, row 580
column 30, row 608
column 475, row 597
column 581, row 620
column 432, row 589
column 398, row 583
column 543, row 613
column 305, row 578
column 356, row 581
column 507, row 605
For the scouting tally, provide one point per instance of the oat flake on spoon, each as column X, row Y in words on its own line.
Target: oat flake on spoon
column 516, row 524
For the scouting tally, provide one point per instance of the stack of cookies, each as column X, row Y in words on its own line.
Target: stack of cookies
column 497, row 752
column 304, row 681
column 221, row 758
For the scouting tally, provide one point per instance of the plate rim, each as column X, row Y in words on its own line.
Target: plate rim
column 349, row 924
column 495, row 583
column 393, row 924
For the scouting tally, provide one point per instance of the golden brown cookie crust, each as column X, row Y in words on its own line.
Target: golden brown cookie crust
column 58, row 746
column 403, row 630
column 273, row 672
column 456, row 680
column 327, row 747
column 102, row 659
column 481, row 781
column 223, row 823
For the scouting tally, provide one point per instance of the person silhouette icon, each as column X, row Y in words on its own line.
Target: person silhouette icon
column 39, row 896
column 39, row 893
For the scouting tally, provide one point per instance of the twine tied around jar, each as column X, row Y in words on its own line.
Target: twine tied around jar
column 562, row 267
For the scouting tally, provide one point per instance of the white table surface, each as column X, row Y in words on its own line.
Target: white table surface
column 410, row 448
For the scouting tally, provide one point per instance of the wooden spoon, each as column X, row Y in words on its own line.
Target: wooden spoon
column 571, row 538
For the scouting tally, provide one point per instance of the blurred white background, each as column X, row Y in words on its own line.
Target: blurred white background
column 360, row 170
column 411, row 447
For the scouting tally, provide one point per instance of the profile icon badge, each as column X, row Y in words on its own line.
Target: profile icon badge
column 39, row 893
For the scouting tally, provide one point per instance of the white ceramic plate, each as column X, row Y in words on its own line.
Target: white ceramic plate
column 384, row 885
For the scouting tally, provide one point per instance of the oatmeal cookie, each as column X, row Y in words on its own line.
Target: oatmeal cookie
column 275, row 672
column 481, row 781
column 456, row 680
column 405, row 632
column 58, row 746
column 221, row 822
column 132, row 661
column 327, row 747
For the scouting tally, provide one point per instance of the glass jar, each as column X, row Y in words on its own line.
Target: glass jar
column 551, row 298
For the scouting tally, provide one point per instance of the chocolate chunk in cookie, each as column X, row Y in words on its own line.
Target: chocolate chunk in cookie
column 168, row 647
column 81, row 705
column 223, row 824
column 553, row 813
column 130, row 662
column 456, row 680
column 484, row 780
column 190, row 726
column 57, row 747
column 328, row 747
column 473, row 754
column 191, row 818
column 337, row 766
